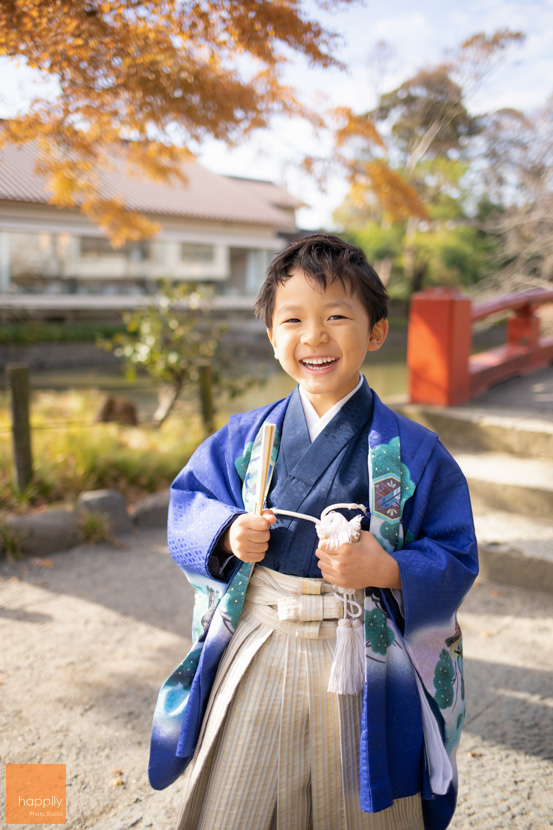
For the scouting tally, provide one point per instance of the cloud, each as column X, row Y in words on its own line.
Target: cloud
column 19, row 85
column 402, row 30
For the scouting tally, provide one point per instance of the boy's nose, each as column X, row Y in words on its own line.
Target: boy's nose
column 314, row 335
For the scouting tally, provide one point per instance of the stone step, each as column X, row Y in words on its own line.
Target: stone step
column 506, row 482
column 524, row 432
column 514, row 548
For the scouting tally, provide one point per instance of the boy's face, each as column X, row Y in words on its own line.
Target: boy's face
column 321, row 338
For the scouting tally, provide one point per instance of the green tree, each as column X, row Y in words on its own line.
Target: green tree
column 457, row 254
column 177, row 342
column 430, row 142
column 428, row 117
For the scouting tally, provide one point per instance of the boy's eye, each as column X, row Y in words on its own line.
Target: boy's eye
column 292, row 320
column 337, row 317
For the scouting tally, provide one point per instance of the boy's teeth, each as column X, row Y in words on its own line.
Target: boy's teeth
column 318, row 361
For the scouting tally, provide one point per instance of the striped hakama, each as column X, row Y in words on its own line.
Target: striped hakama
column 276, row 750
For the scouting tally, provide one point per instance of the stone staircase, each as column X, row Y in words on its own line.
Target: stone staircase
column 507, row 457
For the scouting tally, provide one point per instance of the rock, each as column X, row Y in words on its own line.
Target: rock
column 119, row 409
column 44, row 533
column 152, row 510
column 109, row 503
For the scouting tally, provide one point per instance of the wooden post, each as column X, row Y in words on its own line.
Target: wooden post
column 206, row 397
column 439, row 347
column 18, row 384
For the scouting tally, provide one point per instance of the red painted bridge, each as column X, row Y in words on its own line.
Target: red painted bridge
column 442, row 370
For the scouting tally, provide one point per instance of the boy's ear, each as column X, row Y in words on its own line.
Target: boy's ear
column 378, row 335
column 273, row 342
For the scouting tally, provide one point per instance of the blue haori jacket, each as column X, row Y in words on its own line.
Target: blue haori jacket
column 421, row 514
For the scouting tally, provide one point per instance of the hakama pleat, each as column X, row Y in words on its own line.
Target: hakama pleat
column 276, row 750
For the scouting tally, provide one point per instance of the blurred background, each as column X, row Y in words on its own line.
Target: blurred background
column 154, row 158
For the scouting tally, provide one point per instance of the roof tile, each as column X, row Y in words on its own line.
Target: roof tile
column 206, row 195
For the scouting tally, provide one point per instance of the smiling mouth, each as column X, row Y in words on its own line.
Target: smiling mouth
column 318, row 362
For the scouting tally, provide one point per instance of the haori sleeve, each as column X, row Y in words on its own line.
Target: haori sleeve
column 439, row 558
column 205, row 498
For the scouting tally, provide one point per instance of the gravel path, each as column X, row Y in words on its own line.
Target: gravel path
column 89, row 635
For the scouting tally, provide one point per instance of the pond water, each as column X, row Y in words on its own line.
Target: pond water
column 388, row 378
column 385, row 371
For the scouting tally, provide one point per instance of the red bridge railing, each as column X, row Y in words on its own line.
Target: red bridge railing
column 442, row 370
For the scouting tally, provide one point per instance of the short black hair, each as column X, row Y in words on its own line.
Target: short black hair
column 324, row 258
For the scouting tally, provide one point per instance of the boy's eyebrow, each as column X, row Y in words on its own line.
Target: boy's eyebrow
column 345, row 303
column 289, row 307
column 285, row 309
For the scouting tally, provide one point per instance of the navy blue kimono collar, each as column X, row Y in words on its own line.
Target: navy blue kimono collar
column 304, row 460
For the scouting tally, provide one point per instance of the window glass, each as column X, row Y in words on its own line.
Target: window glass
column 195, row 254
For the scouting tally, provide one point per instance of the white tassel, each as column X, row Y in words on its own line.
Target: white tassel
column 347, row 674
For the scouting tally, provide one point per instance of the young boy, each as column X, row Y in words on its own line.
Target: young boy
column 266, row 746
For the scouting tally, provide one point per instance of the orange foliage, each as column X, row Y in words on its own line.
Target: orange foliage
column 398, row 199
column 374, row 178
column 499, row 40
column 357, row 126
column 155, row 72
column 428, row 118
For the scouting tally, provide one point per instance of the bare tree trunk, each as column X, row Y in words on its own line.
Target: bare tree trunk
column 409, row 252
column 415, row 272
column 383, row 268
column 18, row 384
column 167, row 397
column 417, row 281
column 424, row 144
column 206, row 398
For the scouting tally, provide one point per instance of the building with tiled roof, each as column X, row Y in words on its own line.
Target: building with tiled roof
column 220, row 229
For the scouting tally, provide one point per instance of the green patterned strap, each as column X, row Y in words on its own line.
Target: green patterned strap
column 390, row 487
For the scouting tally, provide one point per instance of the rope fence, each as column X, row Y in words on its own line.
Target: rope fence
column 21, row 427
column 64, row 424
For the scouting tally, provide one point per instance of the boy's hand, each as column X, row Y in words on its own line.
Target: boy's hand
column 248, row 536
column 361, row 564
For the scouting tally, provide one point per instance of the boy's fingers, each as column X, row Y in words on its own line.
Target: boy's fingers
column 256, row 547
column 326, row 554
column 254, row 536
column 327, row 572
column 259, row 522
column 255, row 555
column 251, row 534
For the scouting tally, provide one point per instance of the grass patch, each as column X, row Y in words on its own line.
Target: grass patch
column 10, row 544
column 72, row 454
column 93, row 527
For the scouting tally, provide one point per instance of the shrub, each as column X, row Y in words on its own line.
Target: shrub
column 93, row 527
column 72, row 457
column 10, row 544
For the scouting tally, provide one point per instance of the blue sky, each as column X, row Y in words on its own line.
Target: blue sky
column 419, row 33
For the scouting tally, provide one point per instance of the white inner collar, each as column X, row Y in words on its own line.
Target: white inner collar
column 316, row 423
